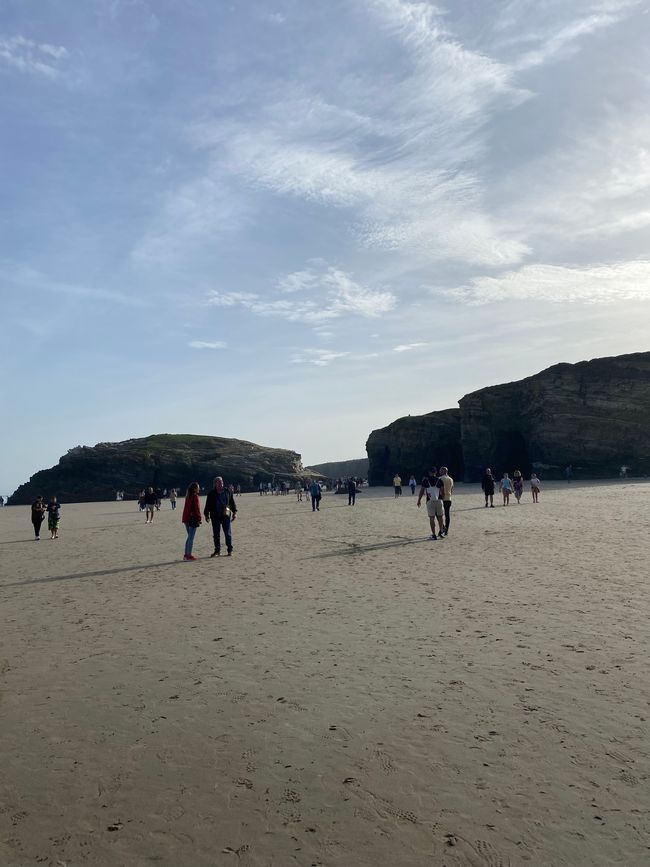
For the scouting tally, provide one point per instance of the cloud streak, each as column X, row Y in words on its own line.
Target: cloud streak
column 38, row 58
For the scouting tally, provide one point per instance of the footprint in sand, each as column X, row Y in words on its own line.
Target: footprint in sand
column 462, row 853
column 385, row 761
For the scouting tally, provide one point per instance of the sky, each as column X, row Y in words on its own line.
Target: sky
column 293, row 222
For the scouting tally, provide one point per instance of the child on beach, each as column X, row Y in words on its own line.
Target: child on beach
column 191, row 518
column 53, row 517
column 506, row 489
column 172, row 497
column 518, row 484
column 535, row 486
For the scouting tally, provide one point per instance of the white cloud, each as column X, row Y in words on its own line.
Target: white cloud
column 336, row 294
column 29, row 56
column 297, row 281
column 621, row 281
column 407, row 347
column 318, row 357
column 207, row 344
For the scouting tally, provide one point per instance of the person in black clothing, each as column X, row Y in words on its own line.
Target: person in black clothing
column 38, row 515
column 352, row 492
column 488, row 487
column 221, row 509
column 150, row 499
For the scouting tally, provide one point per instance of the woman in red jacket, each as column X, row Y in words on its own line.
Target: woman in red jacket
column 191, row 517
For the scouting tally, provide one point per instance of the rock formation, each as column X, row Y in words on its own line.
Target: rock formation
column 413, row 445
column 87, row 474
column 594, row 415
column 357, row 469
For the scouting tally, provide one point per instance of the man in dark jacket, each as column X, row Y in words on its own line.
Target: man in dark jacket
column 221, row 509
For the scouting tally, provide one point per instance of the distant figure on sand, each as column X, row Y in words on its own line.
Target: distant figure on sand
column 505, row 485
column 518, row 484
column 412, row 484
column 299, row 491
column 488, row 487
column 315, row 494
column 221, row 509
column 191, row 518
column 568, row 472
column 429, row 489
column 150, row 500
column 53, row 517
column 38, row 514
column 352, row 492
column 397, row 484
column 446, row 485
column 535, row 487
column 173, row 494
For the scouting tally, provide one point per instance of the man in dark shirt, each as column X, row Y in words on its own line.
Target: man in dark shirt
column 221, row 509
column 150, row 504
column 352, row 492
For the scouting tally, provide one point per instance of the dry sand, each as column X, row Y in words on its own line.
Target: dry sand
column 341, row 692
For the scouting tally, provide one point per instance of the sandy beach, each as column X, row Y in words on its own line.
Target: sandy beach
column 342, row 692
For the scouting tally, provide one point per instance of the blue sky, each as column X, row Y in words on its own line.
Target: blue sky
column 293, row 222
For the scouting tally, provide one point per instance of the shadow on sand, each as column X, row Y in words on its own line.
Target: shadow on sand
column 97, row 574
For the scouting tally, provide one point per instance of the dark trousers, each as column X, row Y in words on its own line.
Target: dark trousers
column 446, row 505
column 315, row 503
column 352, row 498
column 37, row 525
column 217, row 525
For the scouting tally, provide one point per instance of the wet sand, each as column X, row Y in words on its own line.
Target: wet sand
column 342, row 692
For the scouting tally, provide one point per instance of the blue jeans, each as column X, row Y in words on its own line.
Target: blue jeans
column 217, row 525
column 190, row 538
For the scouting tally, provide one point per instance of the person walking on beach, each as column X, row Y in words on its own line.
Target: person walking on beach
column 412, row 484
column 435, row 509
column 315, row 494
column 53, row 517
column 150, row 504
column 173, row 494
column 488, row 487
column 535, row 486
column 221, row 509
column 38, row 514
column 505, row 486
column 518, row 484
column 191, row 518
column 446, row 485
column 299, row 491
column 397, row 484
column 352, row 492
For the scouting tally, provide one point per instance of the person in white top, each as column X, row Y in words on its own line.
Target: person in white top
column 429, row 489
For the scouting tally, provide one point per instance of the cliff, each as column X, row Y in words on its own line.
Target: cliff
column 594, row 415
column 357, row 469
column 413, row 445
column 95, row 473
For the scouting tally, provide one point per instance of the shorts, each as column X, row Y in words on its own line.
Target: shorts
column 435, row 508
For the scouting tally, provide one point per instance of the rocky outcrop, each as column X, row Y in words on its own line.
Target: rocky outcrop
column 87, row 474
column 356, row 469
column 414, row 444
column 594, row 416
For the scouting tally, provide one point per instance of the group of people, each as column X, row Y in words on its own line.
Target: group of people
column 508, row 486
column 53, row 511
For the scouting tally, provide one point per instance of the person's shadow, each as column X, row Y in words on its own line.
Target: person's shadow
column 100, row 573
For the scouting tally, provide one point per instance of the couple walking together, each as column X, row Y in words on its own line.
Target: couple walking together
column 220, row 508
column 437, row 487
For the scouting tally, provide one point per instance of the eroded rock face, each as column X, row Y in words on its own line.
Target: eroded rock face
column 413, row 445
column 95, row 473
column 594, row 416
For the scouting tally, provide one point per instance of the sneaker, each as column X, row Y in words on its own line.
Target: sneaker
column 433, row 537
column 215, row 554
column 230, row 553
column 191, row 557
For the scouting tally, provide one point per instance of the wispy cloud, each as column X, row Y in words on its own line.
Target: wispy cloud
column 26, row 55
column 407, row 347
column 623, row 281
column 207, row 344
column 318, row 357
column 334, row 293
column 28, row 278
